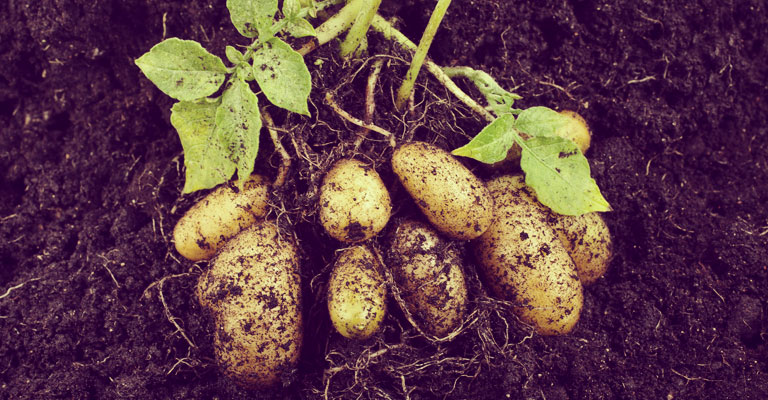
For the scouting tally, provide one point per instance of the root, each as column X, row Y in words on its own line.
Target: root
column 173, row 320
column 285, row 158
column 370, row 102
column 345, row 115
column 12, row 288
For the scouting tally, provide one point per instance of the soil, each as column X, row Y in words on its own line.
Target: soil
column 95, row 303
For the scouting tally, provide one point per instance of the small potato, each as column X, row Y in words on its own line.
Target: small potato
column 252, row 291
column 357, row 294
column 585, row 237
column 428, row 271
column 523, row 261
column 454, row 200
column 218, row 216
column 576, row 130
column 354, row 203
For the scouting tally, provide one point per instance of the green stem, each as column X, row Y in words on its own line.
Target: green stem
column 421, row 52
column 303, row 13
column 334, row 26
column 355, row 41
column 385, row 28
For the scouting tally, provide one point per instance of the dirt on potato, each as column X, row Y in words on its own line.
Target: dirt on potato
column 96, row 304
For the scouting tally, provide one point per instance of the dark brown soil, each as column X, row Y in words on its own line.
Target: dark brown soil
column 95, row 303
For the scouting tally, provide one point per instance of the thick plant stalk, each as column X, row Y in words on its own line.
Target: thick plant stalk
column 385, row 28
column 334, row 26
column 421, row 52
column 355, row 41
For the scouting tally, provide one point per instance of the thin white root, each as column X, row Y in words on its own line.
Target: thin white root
column 329, row 99
column 168, row 314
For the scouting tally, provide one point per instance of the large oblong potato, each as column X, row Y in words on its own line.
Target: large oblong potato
column 586, row 237
column 428, row 270
column 221, row 214
column 354, row 203
column 357, row 294
column 523, row 261
column 454, row 200
column 252, row 291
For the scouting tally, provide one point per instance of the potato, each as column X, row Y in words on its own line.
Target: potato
column 221, row 214
column 252, row 291
column 357, row 294
column 454, row 200
column 576, row 130
column 427, row 269
column 588, row 241
column 354, row 203
column 523, row 261
column 585, row 237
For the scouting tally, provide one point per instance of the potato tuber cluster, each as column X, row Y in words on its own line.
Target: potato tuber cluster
column 525, row 254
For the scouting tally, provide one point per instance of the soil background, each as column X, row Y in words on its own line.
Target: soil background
column 95, row 303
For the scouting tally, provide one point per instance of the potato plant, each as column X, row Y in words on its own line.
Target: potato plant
column 536, row 239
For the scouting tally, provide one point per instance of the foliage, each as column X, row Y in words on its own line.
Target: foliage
column 220, row 134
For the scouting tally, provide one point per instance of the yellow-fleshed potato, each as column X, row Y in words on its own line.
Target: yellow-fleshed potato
column 354, row 203
column 585, row 237
column 576, row 130
column 221, row 214
column 252, row 291
column 454, row 200
column 357, row 293
column 428, row 271
column 523, row 261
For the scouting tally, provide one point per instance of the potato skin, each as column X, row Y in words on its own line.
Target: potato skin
column 357, row 294
column 252, row 291
column 454, row 200
column 221, row 214
column 576, row 130
column 523, row 261
column 428, row 270
column 354, row 203
column 585, row 237
column 589, row 243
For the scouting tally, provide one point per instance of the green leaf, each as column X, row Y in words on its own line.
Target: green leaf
column 492, row 143
column 238, row 123
column 559, row 174
column 234, row 55
column 183, row 69
column 295, row 25
column 252, row 17
column 282, row 76
column 206, row 159
column 291, row 8
column 300, row 27
column 540, row 121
